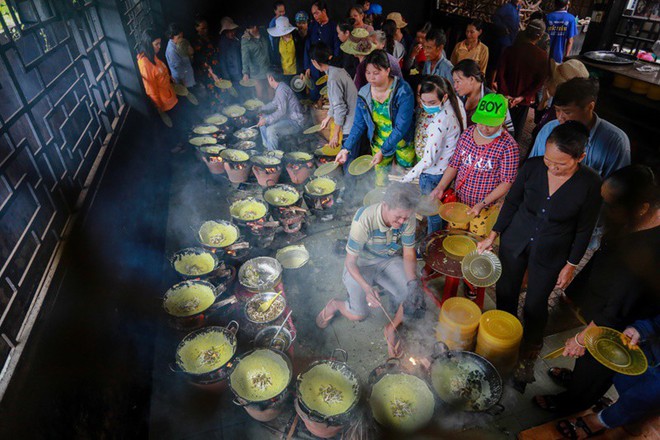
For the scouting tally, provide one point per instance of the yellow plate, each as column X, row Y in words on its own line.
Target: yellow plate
column 313, row 129
column 459, row 245
column 481, row 270
column 327, row 150
column 326, row 169
column 428, row 205
column 455, row 212
column 324, row 91
column 248, row 83
column 500, row 327
column 461, row 312
column 223, row 84
column 361, row 165
column 606, row 346
column 322, row 80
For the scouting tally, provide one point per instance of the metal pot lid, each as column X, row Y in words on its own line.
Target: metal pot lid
column 261, row 273
column 402, row 402
column 206, row 350
column 260, row 375
column 189, row 298
column 194, row 262
column 218, row 234
column 249, row 209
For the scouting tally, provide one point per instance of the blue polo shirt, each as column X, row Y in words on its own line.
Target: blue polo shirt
column 561, row 27
column 442, row 68
column 608, row 148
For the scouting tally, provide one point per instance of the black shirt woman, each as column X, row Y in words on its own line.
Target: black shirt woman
column 619, row 285
column 545, row 226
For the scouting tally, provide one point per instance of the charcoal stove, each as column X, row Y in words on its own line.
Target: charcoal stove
column 320, row 194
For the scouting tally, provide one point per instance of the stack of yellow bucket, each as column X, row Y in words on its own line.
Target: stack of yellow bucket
column 499, row 339
column 458, row 322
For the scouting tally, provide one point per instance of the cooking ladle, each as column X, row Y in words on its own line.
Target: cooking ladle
column 266, row 305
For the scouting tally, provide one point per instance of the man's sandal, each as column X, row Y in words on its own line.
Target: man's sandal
column 322, row 320
column 561, row 376
column 569, row 429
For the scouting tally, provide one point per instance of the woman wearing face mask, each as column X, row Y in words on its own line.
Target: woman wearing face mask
column 439, row 125
column 385, row 112
column 469, row 83
column 484, row 164
column 545, row 226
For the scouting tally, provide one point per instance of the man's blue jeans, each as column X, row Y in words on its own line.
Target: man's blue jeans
column 639, row 396
column 427, row 183
column 271, row 134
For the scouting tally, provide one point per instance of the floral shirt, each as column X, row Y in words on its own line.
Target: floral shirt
column 383, row 122
column 436, row 136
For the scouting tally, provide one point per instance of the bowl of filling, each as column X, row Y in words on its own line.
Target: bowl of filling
column 255, row 315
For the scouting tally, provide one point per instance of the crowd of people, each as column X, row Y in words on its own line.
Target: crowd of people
column 453, row 126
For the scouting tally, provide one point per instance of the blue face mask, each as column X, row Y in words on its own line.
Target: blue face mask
column 431, row 110
column 492, row 136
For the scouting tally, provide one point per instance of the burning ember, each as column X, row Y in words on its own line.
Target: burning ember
column 216, row 159
column 412, row 361
column 326, row 202
column 237, row 166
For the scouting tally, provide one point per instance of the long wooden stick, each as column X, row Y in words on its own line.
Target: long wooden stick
column 293, row 427
column 554, row 354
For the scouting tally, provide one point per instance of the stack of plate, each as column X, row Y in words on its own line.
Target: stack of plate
column 458, row 323
column 498, row 339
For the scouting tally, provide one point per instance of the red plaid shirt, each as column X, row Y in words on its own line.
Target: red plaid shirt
column 497, row 162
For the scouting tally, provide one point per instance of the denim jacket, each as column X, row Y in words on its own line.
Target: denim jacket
column 402, row 105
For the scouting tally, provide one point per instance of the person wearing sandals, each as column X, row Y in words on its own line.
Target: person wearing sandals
column 545, row 226
column 380, row 252
column 619, row 285
column 440, row 123
column 639, row 396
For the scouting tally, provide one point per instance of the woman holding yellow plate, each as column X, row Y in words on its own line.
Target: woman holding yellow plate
column 385, row 110
column 342, row 93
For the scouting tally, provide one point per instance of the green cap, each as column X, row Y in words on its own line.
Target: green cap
column 491, row 110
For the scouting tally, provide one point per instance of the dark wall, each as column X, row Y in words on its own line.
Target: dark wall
column 184, row 12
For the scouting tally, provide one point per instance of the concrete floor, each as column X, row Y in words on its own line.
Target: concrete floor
column 181, row 411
